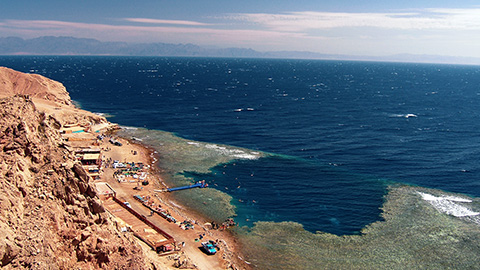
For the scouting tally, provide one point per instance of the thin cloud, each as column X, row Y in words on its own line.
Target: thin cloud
column 443, row 19
column 147, row 33
column 447, row 31
column 174, row 22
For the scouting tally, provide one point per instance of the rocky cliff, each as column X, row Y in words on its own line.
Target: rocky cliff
column 50, row 215
column 48, row 95
column 13, row 82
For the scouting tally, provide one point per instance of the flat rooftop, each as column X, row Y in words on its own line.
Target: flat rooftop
column 139, row 228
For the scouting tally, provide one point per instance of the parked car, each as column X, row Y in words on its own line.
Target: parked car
column 209, row 247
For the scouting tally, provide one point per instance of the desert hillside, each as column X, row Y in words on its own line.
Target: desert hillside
column 54, row 213
column 50, row 215
column 48, row 95
column 13, row 82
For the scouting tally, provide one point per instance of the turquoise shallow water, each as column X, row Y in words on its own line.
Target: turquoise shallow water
column 337, row 131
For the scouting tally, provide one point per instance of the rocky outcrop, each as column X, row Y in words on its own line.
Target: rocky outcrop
column 49, row 96
column 13, row 82
column 50, row 216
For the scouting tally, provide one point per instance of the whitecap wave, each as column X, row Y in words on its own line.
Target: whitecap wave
column 458, row 199
column 214, row 146
column 101, row 114
column 449, row 205
column 245, row 156
column 128, row 128
column 193, row 143
column 244, row 109
column 407, row 115
column 233, row 153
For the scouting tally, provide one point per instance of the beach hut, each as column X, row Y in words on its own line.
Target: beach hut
column 91, row 159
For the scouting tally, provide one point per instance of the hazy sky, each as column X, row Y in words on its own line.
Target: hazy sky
column 356, row 27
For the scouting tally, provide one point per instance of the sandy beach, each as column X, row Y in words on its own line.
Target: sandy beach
column 126, row 179
column 187, row 242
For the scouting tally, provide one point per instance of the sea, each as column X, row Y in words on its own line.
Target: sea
column 312, row 142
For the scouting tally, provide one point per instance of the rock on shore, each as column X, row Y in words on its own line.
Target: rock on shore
column 50, row 215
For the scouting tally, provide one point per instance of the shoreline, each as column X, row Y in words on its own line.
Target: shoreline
column 78, row 129
column 231, row 257
column 419, row 227
column 183, row 160
column 372, row 235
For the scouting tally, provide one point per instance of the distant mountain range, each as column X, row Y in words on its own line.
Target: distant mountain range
column 49, row 45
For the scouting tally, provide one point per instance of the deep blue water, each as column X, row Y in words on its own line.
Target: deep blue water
column 341, row 131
